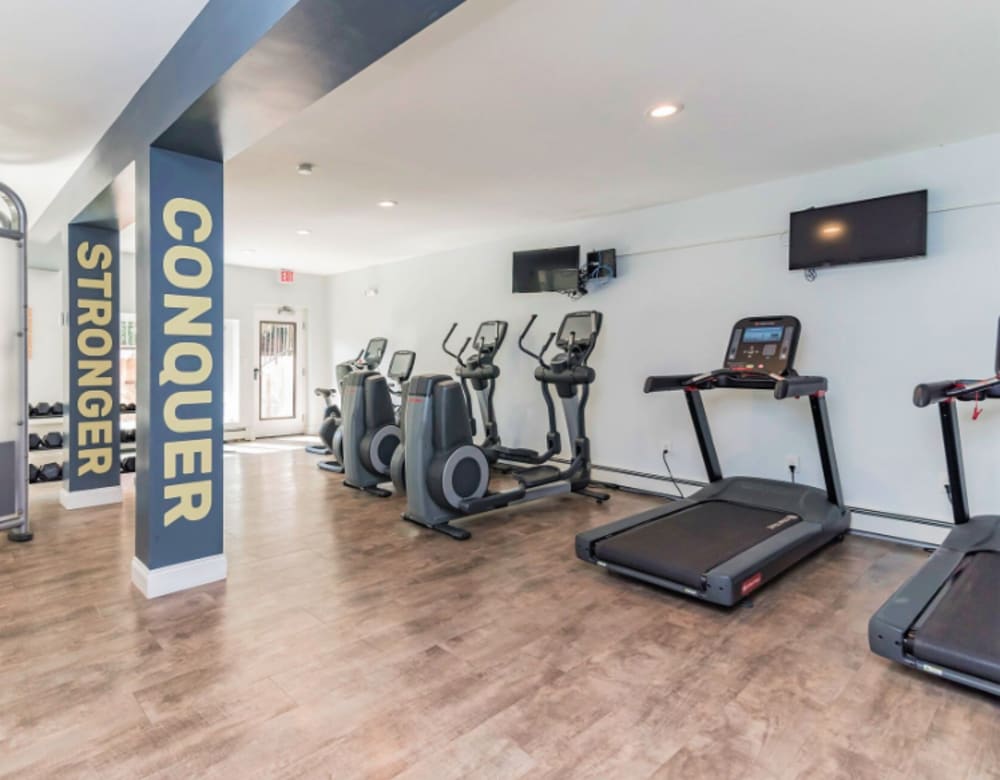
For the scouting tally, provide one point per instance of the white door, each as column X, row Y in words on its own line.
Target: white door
column 280, row 372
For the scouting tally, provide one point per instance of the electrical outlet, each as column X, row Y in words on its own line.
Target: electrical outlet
column 792, row 461
column 667, row 447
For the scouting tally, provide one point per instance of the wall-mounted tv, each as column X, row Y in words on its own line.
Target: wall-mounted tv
column 547, row 270
column 867, row 230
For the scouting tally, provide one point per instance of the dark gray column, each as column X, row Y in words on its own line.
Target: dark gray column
column 179, row 295
column 92, row 471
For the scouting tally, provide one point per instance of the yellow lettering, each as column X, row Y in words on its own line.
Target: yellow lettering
column 95, row 461
column 187, row 281
column 194, row 501
column 86, row 337
column 94, row 312
column 94, row 433
column 101, row 256
column 187, row 451
column 94, row 403
column 187, row 398
column 191, row 307
column 177, row 206
column 103, row 284
column 172, row 373
column 98, row 373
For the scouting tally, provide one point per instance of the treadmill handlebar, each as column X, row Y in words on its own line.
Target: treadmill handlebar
column 935, row 392
column 798, row 386
column 784, row 386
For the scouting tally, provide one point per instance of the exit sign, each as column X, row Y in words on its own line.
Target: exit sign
column 287, row 276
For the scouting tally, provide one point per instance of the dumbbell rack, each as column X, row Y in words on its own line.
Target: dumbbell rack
column 48, row 423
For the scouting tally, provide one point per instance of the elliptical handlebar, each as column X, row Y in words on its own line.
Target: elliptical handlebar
column 444, row 345
column 541, row 353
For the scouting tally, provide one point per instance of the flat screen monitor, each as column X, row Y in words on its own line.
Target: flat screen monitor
column 547, row 270
column 867, row 230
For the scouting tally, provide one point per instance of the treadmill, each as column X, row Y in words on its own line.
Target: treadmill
column 945, row 621
column 738, row 533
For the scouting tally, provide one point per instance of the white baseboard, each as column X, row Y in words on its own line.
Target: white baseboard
column 83, row 499
column 154, row 583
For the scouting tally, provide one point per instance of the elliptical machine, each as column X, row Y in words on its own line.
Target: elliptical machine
column 480, row 373
column 369, row 359
column 448, row 476
column 371, row 429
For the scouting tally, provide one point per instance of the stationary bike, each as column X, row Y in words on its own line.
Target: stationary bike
column 369, row 359
column 448, row 475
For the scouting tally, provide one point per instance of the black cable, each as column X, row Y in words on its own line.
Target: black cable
column 670, row 474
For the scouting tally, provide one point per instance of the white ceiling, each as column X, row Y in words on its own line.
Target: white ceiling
column 508, row 114
column 67, row 69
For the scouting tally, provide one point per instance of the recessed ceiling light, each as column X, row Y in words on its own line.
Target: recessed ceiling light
column 664, row 110
column 387, row 204
column 306, row 169
column 303, row 231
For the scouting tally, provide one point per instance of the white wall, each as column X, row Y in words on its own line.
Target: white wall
column 689, row 271
column 248, row 288
column 47, row 366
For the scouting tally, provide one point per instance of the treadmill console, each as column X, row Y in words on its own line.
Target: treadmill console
column 764, row 344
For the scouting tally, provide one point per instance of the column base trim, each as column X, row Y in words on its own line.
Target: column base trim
column 153, row 583
column 84, row 499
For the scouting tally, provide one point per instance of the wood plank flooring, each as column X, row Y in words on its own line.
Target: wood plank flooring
column 349, row 644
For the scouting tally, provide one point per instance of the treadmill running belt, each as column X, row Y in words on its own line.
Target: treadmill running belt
column 963, row 631
column 681, row 546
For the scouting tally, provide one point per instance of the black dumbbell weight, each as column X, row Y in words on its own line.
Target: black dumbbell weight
column 50, row 472
column 53, row 440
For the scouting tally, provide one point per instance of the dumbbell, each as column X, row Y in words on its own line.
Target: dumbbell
column 131, row 408
column 50, row 472
column 53, row 440
column 42, row 409
column 34, row 441
column 128, row 435
column 56, row 409
column 128, row 464
column 32, row 473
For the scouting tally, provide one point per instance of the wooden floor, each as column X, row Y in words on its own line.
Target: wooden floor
column 347, row 643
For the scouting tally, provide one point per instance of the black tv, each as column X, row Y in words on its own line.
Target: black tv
column 547, row 270
column 886, row 228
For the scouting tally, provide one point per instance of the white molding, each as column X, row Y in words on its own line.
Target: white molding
column 154, row 583
column 84, row 499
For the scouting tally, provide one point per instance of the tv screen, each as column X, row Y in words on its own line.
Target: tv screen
column 547, row 270
column 866, row 230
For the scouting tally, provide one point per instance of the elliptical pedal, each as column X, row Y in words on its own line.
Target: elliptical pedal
column 540, row 475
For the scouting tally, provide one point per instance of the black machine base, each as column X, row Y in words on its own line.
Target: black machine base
column 20, row 536
column 682, row 546
column 722, row 544
column 460, row 534
column 331, row 466
column 371, row 490
column 318, row 450
column 956, row 631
